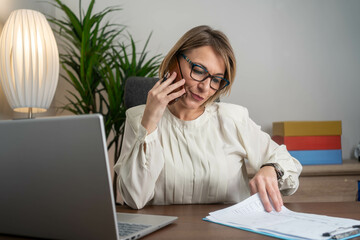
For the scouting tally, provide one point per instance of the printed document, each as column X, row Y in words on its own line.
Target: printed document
column 250, row 215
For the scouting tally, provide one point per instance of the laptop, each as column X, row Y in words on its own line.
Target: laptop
column 55, row 182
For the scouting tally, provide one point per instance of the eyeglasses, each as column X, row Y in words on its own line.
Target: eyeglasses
column 200, row 73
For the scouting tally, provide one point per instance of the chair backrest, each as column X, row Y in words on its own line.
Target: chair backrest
column 136, row 90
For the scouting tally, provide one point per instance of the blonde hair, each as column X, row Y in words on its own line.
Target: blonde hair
column 204, row 36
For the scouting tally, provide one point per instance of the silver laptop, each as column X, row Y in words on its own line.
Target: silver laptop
column 55, row 182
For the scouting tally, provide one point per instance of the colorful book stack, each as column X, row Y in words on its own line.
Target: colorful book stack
column 310, row 142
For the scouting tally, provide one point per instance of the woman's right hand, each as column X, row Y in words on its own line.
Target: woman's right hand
column 157, row 100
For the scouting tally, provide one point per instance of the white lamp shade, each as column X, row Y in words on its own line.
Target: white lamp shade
column 29, row 61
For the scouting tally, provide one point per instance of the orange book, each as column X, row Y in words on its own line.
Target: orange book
column 309, row 142
column 307, row 128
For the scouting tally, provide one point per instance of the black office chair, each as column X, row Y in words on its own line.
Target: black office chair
column 136, row 90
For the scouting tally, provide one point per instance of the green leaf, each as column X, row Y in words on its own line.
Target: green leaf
column 97, row 58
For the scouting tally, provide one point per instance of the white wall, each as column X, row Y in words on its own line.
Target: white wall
column 297, row 59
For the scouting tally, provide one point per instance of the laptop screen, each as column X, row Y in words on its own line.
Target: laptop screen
column 55, row 179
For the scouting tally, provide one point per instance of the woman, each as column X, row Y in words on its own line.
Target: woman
column 182, row 147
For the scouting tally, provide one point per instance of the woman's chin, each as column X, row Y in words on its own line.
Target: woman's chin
column 191, row 103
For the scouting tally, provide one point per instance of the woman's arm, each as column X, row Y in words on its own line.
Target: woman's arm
column 141, row 160
column 261, row 149
column 138, row 169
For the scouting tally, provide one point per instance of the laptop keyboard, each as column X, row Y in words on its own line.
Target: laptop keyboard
column 126, row 229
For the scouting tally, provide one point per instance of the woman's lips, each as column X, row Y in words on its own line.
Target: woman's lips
column 196, row 97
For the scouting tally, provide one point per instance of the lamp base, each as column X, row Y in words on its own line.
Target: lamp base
column 30, row 113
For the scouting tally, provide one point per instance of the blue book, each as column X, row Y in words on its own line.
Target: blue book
column 316, row 157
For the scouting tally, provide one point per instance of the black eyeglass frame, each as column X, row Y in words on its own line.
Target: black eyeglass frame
column 207, row 76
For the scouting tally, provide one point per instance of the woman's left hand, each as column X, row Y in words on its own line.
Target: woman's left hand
column 265, row 183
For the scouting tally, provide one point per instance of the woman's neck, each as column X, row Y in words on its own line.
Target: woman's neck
column 185, row 114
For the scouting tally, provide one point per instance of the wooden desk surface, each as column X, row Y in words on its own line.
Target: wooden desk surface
column 191, row 226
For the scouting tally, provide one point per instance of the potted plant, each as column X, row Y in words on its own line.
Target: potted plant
column 98, row 58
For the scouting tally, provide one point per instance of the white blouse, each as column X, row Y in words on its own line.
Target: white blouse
column 198, row 161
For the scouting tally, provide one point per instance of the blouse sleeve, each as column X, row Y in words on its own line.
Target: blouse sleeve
column 138, row 168
column 261, row 149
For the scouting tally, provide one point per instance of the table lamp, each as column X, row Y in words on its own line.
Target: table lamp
column 29, row 62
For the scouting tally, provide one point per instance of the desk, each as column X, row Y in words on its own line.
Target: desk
column 191, row 226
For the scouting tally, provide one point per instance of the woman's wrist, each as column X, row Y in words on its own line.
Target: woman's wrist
column 279, row 171
column 148, row 125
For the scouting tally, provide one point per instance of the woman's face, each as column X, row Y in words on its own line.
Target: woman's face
column 198, row 93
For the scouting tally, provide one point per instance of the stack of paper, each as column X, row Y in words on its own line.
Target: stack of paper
column 311, row 142
column 250, row 215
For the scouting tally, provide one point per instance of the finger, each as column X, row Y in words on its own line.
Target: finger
column 278, row 193
column 168, row 91
column 166, row 76
column 161, row 82
column 253, row 188
column 272, row 193
column 174, row 86
column 264, row 197
column 176, row 95
column 159, row 95
column 167, row 80
column 158, row 83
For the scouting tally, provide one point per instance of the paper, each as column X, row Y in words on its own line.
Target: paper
column 251, row 215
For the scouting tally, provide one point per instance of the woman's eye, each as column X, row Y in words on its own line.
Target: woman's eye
column 198, row 70
column 216, row 80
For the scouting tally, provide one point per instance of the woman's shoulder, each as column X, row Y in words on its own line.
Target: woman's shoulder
column 135, row 112
column 230, row 110
column 231, row 107
column 134, row 116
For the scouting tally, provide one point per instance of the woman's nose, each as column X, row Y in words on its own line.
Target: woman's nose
column 205, row 85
